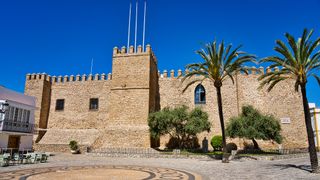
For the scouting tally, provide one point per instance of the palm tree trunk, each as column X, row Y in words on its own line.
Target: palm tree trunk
column 307, row 117
column 224, row 157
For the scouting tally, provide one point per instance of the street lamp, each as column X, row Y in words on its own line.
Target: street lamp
column 4, row 107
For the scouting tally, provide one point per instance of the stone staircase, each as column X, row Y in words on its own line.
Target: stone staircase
column 114, row 140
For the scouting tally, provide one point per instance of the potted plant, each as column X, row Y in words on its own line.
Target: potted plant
column 74, row 147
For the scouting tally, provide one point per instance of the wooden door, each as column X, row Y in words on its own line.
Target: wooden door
column 14, row 142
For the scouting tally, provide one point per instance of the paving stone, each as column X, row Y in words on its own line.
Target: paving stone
column 297, row 168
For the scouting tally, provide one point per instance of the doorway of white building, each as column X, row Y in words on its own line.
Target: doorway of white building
column 13, row 142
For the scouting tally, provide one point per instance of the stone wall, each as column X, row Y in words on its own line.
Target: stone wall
column 282, row 102
column 64, row 148
column 76, row 113
column 37, row 85
column 125, row 100
column 135, row 88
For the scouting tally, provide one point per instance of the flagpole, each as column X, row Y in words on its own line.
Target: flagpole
column 144, row 23
column 91, row 66
column 129, row 27
column 136, row 28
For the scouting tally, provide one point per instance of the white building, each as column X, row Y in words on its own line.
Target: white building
column 315, row 119
column 16, row 120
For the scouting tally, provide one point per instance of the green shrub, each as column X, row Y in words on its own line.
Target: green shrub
column 73, row 145
column 181, row 124
column 231, row 146
column 216, row 143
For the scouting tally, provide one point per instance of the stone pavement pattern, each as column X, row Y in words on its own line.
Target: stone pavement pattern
column 207, row 169
column 98, row 172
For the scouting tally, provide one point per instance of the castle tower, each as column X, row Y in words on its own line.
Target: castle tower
column 134, row 94
column 39, row 86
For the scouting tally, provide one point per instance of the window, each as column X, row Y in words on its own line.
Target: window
column 24, row 115
column 94, row 104
column 59, row 104
column 11, row 113
column 200, row 95
column 16, row 114
column 6, row 115
column 20, row 114
column 27, row 117
column 16, row 111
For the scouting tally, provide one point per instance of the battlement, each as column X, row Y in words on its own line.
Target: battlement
column 66, row 78
column 123, row 51
column 252, row 71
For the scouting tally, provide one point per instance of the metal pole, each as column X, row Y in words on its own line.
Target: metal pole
column 144, row 24
column 129, row 28
column 136, row 28
column 91, row 66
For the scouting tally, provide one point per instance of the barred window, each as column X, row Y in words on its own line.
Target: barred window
column 60, row 104
column 94, row 104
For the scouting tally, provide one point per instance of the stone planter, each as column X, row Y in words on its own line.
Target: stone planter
column 75, row 151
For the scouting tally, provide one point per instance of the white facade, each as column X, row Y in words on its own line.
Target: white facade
column 17, row 122
column 315, row 120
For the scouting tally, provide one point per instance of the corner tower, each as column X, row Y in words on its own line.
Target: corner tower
column 39, row 86
column 134, row 94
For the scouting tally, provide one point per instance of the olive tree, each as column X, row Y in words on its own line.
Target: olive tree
column 179, row 123
column 252, row 124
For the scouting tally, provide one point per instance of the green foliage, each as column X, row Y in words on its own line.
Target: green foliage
column 231, row 146
column 252, row 124
column 73, row 145
column 220, row 63
column 216, row 143
column 299, row 58
column 179, row 123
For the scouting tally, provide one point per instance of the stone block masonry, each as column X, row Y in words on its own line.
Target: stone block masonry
column 134, row 89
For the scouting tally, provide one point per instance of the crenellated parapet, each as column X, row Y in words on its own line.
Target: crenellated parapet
column 66, row 78
column 124, row 51
column 251, row 71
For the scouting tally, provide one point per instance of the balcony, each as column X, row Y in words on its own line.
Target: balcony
column 16, row 126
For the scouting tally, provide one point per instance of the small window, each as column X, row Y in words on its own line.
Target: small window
column 200, row 95
column 94, row 104
column 60, row 104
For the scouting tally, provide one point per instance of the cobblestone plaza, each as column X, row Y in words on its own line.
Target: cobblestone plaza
column 67, row 166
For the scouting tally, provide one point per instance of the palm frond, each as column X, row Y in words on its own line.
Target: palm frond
column 192, row 82
column 317, row 78
column 220, row 61
column 296, row 59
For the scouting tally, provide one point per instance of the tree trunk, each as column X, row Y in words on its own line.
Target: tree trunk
column 224, row 157
column 307, row 117
column 255, row 144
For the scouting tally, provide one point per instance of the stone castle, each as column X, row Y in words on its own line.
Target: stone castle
column 111, row 111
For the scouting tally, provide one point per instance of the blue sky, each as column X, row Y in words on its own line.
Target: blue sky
column 60, row 37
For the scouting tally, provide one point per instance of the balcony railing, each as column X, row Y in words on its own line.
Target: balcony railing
column 16, row 126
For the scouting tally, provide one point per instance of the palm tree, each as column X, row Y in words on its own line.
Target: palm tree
column 299, row 61
column 220, row 63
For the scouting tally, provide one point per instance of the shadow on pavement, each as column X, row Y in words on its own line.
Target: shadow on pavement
column 301, row 167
